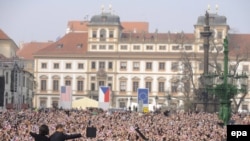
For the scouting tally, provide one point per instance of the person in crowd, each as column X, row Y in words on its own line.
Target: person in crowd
column 59, row 134
column 115, row 126
column 43, row 132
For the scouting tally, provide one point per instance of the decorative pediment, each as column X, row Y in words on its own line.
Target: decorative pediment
column 148, row 79
column 55, row 77
column 135, row 78
column 174, row 80
column 80, row 77
column 123, row 78
column 67, row 77
column 161, row 79
column 43, row 77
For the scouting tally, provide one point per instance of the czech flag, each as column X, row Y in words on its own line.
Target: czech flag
column 104, row 93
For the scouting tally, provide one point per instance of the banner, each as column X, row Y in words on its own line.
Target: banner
column 142, row 94
column 104, row 97
column 65, row 97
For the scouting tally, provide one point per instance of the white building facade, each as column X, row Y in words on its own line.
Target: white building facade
column 125, row 61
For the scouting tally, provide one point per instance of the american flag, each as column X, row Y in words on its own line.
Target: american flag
column 65, row 97
column 65, row 93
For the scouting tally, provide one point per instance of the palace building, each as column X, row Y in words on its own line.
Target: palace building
column 105, row 51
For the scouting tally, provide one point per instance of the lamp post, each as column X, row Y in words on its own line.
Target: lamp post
column 228, row 87
column 156, row 99
column 206, row 34
column 130, row 102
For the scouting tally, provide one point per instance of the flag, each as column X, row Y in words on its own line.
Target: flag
column 104, row 93
column 65, row 97
column 142, row 94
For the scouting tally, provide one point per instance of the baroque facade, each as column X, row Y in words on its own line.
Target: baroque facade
column 125, row 56
column 16, row 84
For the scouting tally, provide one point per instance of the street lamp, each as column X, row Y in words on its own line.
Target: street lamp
column 156, row 99
column 130, row 102
column 226, row 89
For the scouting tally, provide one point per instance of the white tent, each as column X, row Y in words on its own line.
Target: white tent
column 84, row 103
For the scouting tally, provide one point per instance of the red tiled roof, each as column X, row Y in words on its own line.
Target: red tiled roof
column 76, row 26
column 239, row 44
column 70, row 44
column 28, row 49
column 136, row 27
column 3, row 35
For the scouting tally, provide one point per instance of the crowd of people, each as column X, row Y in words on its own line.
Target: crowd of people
column 116, row 126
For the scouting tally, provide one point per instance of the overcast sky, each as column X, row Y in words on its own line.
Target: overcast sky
column 43, row 20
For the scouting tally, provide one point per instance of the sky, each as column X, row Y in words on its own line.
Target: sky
column 44, row 20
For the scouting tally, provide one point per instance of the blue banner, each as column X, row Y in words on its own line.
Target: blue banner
column 142, row 95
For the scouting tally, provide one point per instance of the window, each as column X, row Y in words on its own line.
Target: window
column 201, row 66
column 136, row 65
column 44, row 65
column 55, row 85
column 68, row 65
column 92, row 78
column 80, row 66
column 43, row 85
column 124, row 47
column 161, row 66
column 56, row 65
column 173, row 87
column 23, row 81
column 201, row 48
column 111, row 34
column 148, row 85
column 94, row 34
column 92, row 86
column 148, row 65
column 102, row 47
column 110, row 65
column 189, row 47
column 92, row 65
column 93, row 47
column 101, row 83
column 136, row 47
column 7, row 78
column 110, row 78
column 175, row 47
column 162, row 47
column 161, row 87
column 111, row 47
column 80, row 85
column 101, row 65
column 149, row 47
column 103, row 35
column 232, row 67
column 219, row 35
column 67, row 82
column 174, row 66
column 135, row 86
column 110, row 86
column 123, row 65
column 245, row 68
column 244, row 107
column 123, row 86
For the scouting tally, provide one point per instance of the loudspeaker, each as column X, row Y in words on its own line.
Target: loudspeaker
column 2, row 87
column 91, row 132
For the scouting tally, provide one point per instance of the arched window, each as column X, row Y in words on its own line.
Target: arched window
column 102, row 34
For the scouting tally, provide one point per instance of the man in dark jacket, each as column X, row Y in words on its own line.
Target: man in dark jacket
column 60, row 136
